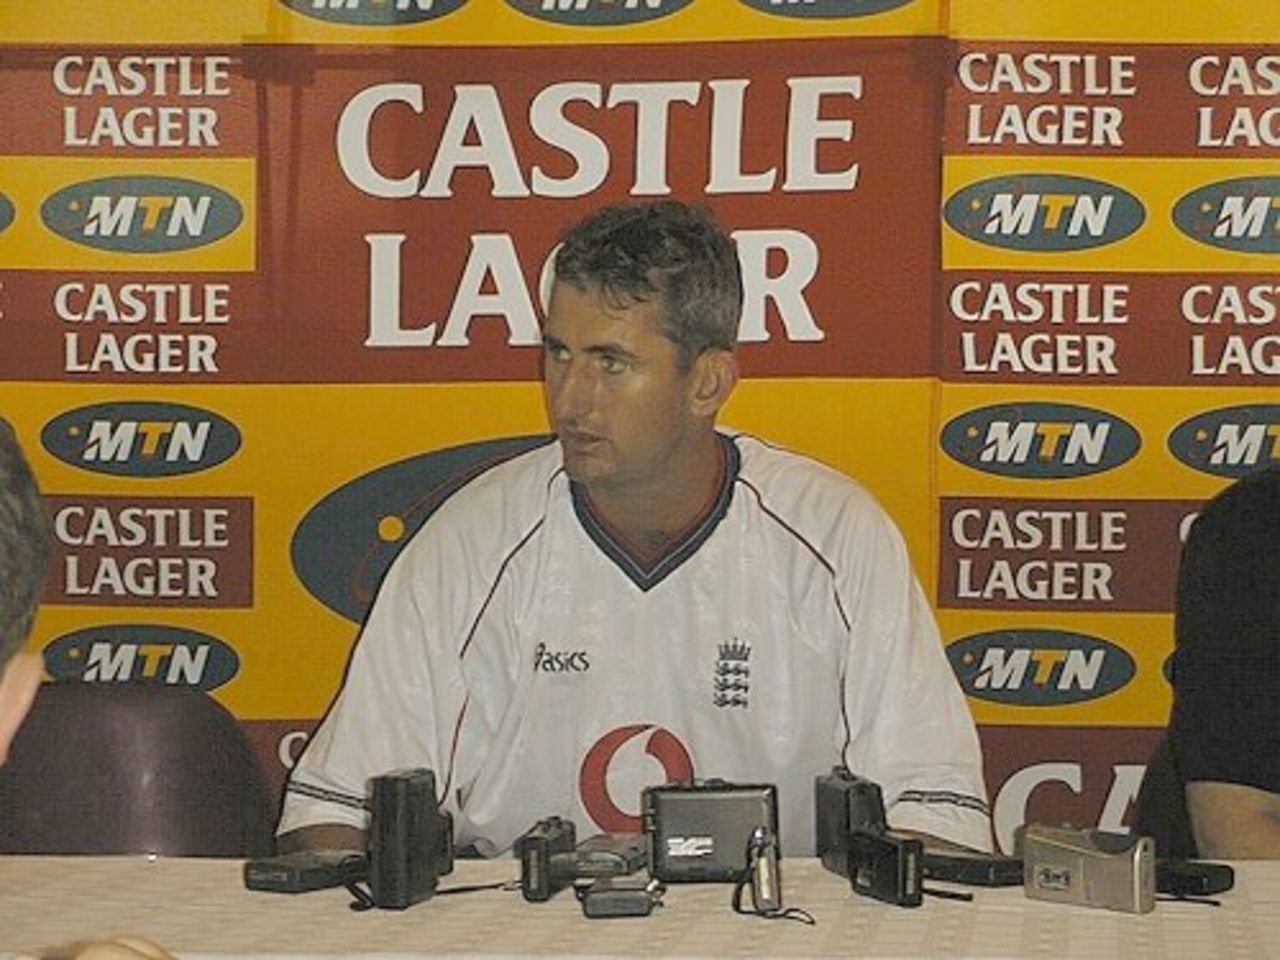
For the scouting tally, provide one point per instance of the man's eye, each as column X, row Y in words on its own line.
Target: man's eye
column 557, row 352
column 612, row 364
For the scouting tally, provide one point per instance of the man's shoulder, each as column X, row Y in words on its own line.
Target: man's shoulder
column 829, row 510
column 532, row 468
column 1248, row 508
column 781, row 476
column 509, row 492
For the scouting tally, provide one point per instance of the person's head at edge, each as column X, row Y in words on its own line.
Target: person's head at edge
column 639, row 343
column 24, row 558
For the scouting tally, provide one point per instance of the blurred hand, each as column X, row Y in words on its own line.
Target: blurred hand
column 115, row 948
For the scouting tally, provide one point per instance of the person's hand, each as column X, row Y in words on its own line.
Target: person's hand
column 322, row 836
column 114, row 948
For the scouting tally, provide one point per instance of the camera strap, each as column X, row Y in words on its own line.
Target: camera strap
column 764, row 879
column 942, row 894
column 1189, row 898
column 780, row 913
column 363, row 897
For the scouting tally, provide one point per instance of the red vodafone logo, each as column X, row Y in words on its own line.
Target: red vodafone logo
column 593, row 778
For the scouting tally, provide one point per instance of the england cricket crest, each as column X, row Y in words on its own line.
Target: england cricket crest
column 732, row 681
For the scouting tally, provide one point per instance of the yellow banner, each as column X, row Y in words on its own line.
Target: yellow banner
column 1153, row 413
column 1022, row 206
column 145, row 214
column 1143, row 700
column 298, row 444
column 880, row 432
column 1153, row 21
column 430, row 22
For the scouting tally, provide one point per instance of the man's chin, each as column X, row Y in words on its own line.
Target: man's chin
column 579, row 472
column 582, row 468
column 577, row 452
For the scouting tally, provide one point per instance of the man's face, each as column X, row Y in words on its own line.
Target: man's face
column 615, row 394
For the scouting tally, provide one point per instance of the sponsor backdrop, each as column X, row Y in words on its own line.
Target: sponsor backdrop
column 1107, row 354
column 270, row 274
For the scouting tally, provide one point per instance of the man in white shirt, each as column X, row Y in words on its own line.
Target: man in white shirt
column 647, row 597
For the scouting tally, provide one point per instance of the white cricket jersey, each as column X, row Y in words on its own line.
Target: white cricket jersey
column 516, row 650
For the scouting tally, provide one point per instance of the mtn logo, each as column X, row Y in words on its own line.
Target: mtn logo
column 345, row 543
column 141, row 439
column 1038, row 667
column 1241, row 215
column 1040, row 441
column 142, row 653
column 824, row 9
column 1229, row 442
column 142, row 214
column 1044, row 213
column 598, row 13
column 375, row 13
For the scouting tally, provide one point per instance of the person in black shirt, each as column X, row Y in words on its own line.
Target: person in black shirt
column 1225, row 727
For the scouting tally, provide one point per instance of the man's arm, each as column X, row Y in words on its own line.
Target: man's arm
column 398, row 702
column 322, row 836
column 1232, row 821
column 909, row 725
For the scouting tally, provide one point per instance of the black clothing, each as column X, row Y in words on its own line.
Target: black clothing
column 1226, row 666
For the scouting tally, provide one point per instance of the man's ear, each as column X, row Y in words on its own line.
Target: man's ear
column 715, row 374
column 19, row 681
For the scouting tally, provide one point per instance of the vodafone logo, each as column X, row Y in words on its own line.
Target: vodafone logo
column 593, row 778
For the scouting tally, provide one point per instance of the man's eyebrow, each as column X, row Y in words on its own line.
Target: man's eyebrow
column 609, row 348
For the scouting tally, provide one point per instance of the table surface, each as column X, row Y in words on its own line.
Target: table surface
column 199, row 908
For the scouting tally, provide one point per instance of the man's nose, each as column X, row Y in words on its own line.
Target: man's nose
column 572, row 390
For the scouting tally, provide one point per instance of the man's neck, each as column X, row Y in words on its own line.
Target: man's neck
column 649, row 523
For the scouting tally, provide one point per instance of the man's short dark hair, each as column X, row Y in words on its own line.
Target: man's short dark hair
column 667, row 252
column 24, row 545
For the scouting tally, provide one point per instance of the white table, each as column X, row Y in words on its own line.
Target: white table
column 199, row 908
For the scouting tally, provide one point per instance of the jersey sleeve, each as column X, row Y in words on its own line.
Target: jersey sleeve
column 909, row 726
column 400, row 703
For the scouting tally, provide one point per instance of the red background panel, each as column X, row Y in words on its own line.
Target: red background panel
column 1155, row 345
column 1160, row 117
column 1140, row 577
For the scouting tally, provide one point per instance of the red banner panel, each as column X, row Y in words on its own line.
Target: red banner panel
column 151, row 551
column 1110, row 328
column 406, row 205
column 126, row 326
column 1118, row 555
column 278, row 745
column 1082, row 776
column 129, row 102
column 1082, row 99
